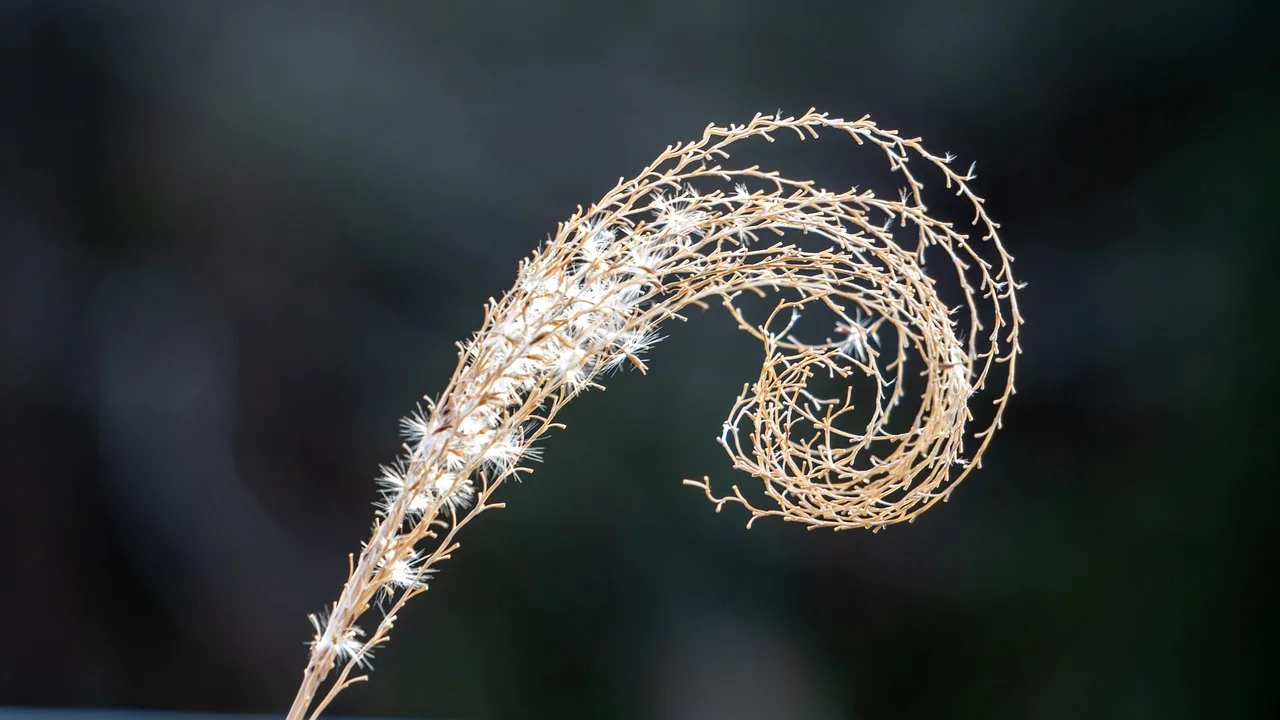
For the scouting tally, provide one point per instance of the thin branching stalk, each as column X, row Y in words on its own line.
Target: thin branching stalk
column 686, row 231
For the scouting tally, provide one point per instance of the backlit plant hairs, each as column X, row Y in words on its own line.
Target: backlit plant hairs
column 688, row 230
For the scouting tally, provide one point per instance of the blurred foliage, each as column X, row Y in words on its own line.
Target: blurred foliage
column 236, row 241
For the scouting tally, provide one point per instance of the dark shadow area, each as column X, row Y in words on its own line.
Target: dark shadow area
column 238, row 242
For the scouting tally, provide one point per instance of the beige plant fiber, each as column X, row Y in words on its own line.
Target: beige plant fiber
column 686, row 231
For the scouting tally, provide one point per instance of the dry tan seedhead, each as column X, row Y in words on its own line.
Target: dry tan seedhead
column 688, row 230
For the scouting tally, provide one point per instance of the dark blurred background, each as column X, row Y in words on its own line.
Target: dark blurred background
column 238, row 241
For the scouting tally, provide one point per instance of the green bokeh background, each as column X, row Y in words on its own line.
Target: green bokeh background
column 238, row 240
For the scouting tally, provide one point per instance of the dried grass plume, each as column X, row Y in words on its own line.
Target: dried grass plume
column 688, row 230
